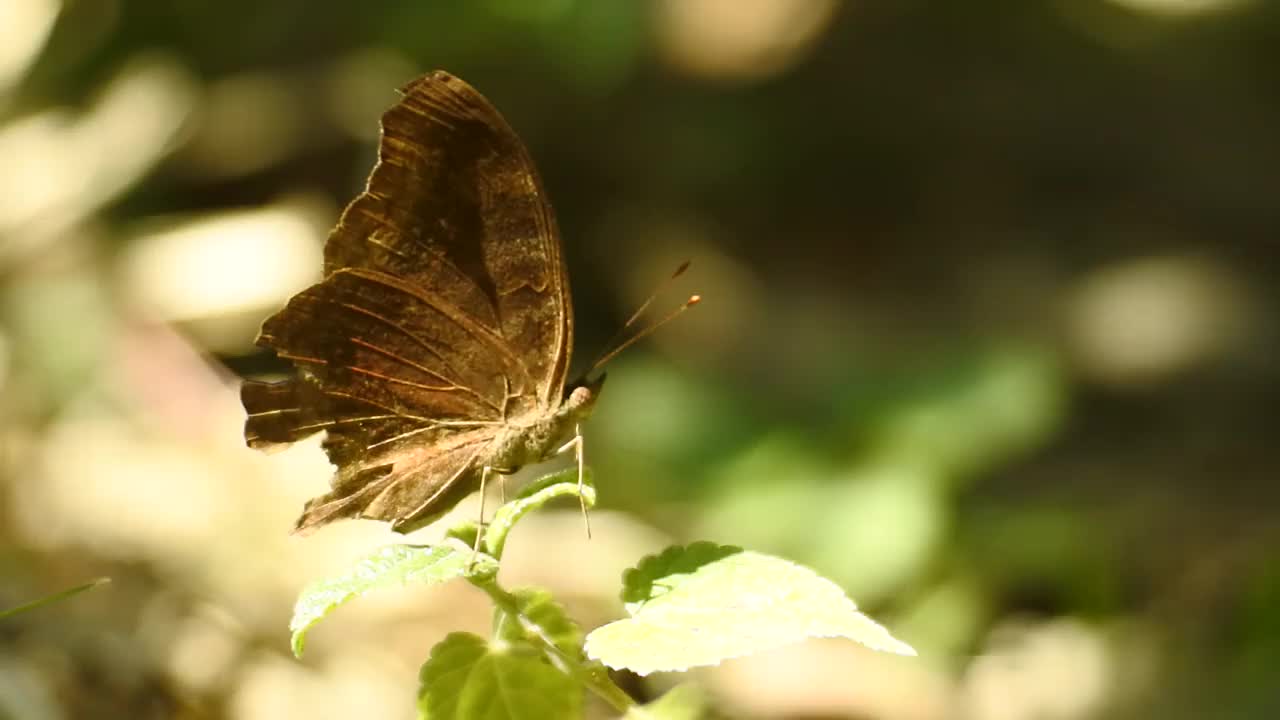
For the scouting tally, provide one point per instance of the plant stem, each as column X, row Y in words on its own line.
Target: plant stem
column 592, row 675
column 53, row 598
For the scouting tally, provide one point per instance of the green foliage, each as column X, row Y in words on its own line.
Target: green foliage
column 878, row 521
column 689, row 606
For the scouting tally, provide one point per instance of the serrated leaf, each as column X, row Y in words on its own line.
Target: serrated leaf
column 390, row 566
column 540, row 614
column 682, row 702
column 707, row 603
column 535, row 495
column 466, row 678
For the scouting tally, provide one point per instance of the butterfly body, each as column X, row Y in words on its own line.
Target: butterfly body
column 518, row 445
column 436, row 347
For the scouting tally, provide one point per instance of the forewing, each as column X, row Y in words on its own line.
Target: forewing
column 456, row 206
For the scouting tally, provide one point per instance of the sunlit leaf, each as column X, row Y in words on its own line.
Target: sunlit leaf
column 701, row 604
column 391, row 566
column 658, row 574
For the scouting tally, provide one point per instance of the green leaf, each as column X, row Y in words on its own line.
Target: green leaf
column 541, row 615
column 699, row 605
column 390, row 566
column 682, row 702
column 467, row 678
column 60, row 595
column 535, row 495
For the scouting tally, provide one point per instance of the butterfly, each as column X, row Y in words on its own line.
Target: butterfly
column 434, row 352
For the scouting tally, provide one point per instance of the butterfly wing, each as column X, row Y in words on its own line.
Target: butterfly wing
column 444, row 314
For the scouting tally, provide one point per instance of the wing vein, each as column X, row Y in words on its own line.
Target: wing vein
column 475, row 329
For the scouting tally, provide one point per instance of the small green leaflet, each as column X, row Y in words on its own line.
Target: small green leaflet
column 702, row 604
column 392, row 566
column 531, row 497
column 466, row 678
column 541, row 615
column 682, row 702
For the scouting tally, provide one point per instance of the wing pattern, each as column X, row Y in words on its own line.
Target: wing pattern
column 444, row 314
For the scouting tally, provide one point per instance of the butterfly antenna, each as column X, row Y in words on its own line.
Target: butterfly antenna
column 606, row 354
column 646, row 332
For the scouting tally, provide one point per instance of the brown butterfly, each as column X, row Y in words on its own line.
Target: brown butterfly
column 435, row 350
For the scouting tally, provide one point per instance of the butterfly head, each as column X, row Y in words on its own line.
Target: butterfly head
column 521, row 445
column 580, row 395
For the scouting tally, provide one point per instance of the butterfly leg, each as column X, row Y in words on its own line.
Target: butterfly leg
column 576, row 444
column 480, row 524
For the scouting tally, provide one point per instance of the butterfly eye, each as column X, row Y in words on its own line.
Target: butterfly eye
column 580, row 395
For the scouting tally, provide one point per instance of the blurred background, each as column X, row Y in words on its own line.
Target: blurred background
column 990, row 337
